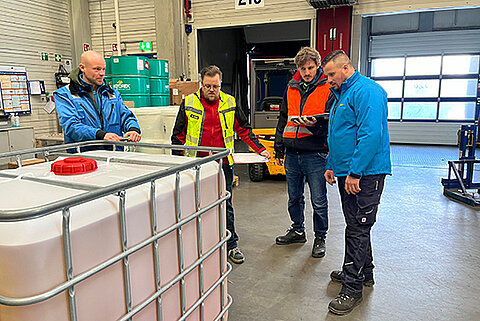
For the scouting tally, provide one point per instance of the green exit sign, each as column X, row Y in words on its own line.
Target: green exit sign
column 145, row 45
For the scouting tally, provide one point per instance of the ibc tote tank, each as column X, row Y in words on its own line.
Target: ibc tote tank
column 32, row 252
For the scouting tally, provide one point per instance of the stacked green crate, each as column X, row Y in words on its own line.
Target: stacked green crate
column 159, row 88
column 130, row 76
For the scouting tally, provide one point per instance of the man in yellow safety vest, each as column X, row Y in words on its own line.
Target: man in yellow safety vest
column 210, row 118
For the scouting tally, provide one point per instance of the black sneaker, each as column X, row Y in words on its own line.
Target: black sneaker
column 318, row 249
column 291, row 237
column 236, row 256
column 343, row 304
column 336, row 276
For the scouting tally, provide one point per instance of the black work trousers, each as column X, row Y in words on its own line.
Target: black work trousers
column 360, row 212
column 228, row 172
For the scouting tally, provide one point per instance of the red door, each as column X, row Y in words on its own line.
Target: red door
column 333, row 30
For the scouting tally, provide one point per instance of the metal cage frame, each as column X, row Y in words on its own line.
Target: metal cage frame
column 120, row 190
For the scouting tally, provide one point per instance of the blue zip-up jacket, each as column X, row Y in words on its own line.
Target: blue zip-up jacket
column 358, row 137
column 82, row 119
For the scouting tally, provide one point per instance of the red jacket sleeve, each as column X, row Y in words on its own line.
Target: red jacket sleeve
column 244, row 131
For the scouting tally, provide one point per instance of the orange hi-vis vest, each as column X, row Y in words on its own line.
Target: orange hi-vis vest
column 314, row 105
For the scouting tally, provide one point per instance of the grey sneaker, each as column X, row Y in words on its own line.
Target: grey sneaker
column 236, row 256
column 318, row 249
column 343, row 304
column 291, row 237
column 336, row 276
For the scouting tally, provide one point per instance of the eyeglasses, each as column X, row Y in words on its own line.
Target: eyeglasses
column 215, row 87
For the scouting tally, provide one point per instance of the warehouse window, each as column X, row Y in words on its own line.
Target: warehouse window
column 429, row 88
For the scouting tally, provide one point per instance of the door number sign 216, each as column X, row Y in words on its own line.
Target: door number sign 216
column 239, row 4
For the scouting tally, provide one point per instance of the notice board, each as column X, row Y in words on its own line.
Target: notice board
column 14, row 90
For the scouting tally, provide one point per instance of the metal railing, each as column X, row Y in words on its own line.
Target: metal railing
column 120, row 190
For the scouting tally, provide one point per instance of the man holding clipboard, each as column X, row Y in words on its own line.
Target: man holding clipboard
column 210, row 118
column 301, row 142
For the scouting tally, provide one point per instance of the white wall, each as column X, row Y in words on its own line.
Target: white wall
column 27, row 29
column 222, row 13
column 158, row 21
column 424, row 133
column 137, row 23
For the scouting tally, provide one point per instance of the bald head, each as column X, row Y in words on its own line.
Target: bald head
column 89, row 57
column 92, row 66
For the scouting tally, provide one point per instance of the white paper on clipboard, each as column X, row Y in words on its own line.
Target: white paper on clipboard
column 248, row 158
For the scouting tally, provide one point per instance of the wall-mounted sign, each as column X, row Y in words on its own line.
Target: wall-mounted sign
column 244, row 4
column 114, row 47
column 15, row 95
column 86, row 47
column 58, row 58
column 145, row 45
column 36, row 87
column 44, row 56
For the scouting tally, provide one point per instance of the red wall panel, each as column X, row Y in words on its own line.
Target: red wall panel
column 339, row 18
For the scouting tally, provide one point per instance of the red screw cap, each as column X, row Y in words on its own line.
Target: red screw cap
column 74, row 166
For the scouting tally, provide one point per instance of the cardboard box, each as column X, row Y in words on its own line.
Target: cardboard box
column 180, row 89
column 129, row 104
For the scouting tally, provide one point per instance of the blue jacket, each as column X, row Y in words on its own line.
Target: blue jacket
column 83, row 120
column 358, row 137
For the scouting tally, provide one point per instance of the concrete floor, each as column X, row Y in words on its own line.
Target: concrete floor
column 426, row 250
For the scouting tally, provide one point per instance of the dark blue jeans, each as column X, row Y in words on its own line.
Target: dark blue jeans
column 228, row 172
column 360, row 213
column 310, row 168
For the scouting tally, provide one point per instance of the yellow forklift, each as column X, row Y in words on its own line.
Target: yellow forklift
column 258, row 171
column 268, row 81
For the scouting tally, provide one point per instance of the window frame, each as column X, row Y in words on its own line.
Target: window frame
column 402, row 100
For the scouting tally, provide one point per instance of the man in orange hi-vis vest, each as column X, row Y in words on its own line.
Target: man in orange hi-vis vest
column 301, row 142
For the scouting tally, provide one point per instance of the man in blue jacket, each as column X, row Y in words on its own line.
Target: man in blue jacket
column 88, row 108
column 359, row 157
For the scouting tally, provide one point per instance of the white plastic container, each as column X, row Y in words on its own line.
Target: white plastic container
column 157, row 126
column 15, row 120
column 31, row 252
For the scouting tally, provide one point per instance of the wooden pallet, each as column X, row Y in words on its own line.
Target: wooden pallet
column 26, row 162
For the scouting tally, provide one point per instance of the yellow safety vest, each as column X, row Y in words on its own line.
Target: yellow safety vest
column 195, row 118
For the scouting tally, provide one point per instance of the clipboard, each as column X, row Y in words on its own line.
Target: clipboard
column 248, row 158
